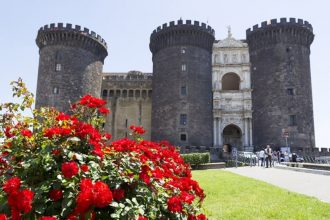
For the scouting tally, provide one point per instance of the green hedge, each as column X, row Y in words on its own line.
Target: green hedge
column 195, row 159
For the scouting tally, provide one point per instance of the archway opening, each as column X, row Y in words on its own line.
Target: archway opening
column 230, row 81
column 232, row 136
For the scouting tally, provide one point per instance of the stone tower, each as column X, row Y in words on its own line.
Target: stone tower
column 70, row 64
column 182, row 83
column 281, row 83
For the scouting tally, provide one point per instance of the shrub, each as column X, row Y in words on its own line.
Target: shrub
column 196, row 159
column 59, row 166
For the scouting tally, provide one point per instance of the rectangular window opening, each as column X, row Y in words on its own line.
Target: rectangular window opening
column 183, row 137
column 55, row 90
column 58, row 67
column 290, row 91
column 183, row 67
column 183, row 90
column 183, row 119
column 292, row 120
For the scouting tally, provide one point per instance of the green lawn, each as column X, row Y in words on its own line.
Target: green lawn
column 230, row 196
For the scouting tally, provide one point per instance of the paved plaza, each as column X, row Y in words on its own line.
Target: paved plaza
column 314, row 185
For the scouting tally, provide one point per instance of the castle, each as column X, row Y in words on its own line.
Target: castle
column 202, row 92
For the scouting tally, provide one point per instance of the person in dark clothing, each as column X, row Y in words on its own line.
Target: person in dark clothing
column 294, row 157
column 268, row 153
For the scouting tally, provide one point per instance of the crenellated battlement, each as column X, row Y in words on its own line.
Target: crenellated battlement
column 292, row 31
column 181, row 23
column 283, row 22
column 129, row 76
column 72, row 36
column 182, row 33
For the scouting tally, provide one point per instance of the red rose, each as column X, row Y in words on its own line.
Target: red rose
column 102, row 194
column 174, row 204
column 118, row 194
column 70, row 169
column 62, row 117
column 12, row 185
column 186, row 197
column 21, row 201
column 47, row 218
column 144, row 175
column 137, row 129
column 201, row 217
column 25, row 200
column 3, row 217
column 86, row 184
column 84, row 168
column 104, row 110
column 9, row 133
column 142, row 218
column 56, row 152
column 107, row 136
column 84, row 201
column 56, row 194
column 72, row 217
column 26, row 133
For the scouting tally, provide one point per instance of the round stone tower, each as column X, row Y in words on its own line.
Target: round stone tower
column 70, row 65
column 281, row 83
column 182, row 83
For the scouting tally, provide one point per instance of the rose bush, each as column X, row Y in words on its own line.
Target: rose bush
column 59, row 166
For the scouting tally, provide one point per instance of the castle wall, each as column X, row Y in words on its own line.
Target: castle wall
column 70, row 65
column 128, row 96
column 182, row 84
column 281, row 82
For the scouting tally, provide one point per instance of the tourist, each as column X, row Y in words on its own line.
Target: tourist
column 294, row 157
column 286, row 156
column 262, row 157
column 268, row 153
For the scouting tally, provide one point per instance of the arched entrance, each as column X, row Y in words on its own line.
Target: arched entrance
column 232, row 135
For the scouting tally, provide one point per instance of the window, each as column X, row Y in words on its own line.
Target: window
column 124, row 93
column 183, row 137
column 58, row 67
column 183, row 67
column 234, row 57
column 290, row 91
column 183, row 50
column 183, row 119
column 292, row 120
column 130, row 93
column 105, row 93
column 183, row 90
column 216, row 58
column 230, row 81
column 137, row 93
column 244, row 58
column 225, row 58
column 55, row 90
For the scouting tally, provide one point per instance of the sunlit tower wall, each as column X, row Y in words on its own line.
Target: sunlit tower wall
column 70, row 64
column 281, row 83
column 182, row 83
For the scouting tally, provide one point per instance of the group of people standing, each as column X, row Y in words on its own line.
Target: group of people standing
column 267, row 157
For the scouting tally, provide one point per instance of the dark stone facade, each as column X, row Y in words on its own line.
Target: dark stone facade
column 182, row 81
column 182, row 84
column 70, row 65
column 281, row 83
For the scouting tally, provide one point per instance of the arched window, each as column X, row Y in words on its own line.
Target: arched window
column 230, row 81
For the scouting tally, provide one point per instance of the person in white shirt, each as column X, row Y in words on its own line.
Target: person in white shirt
column 262, row 157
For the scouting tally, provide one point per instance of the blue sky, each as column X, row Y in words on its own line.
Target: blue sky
column 127, row 25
